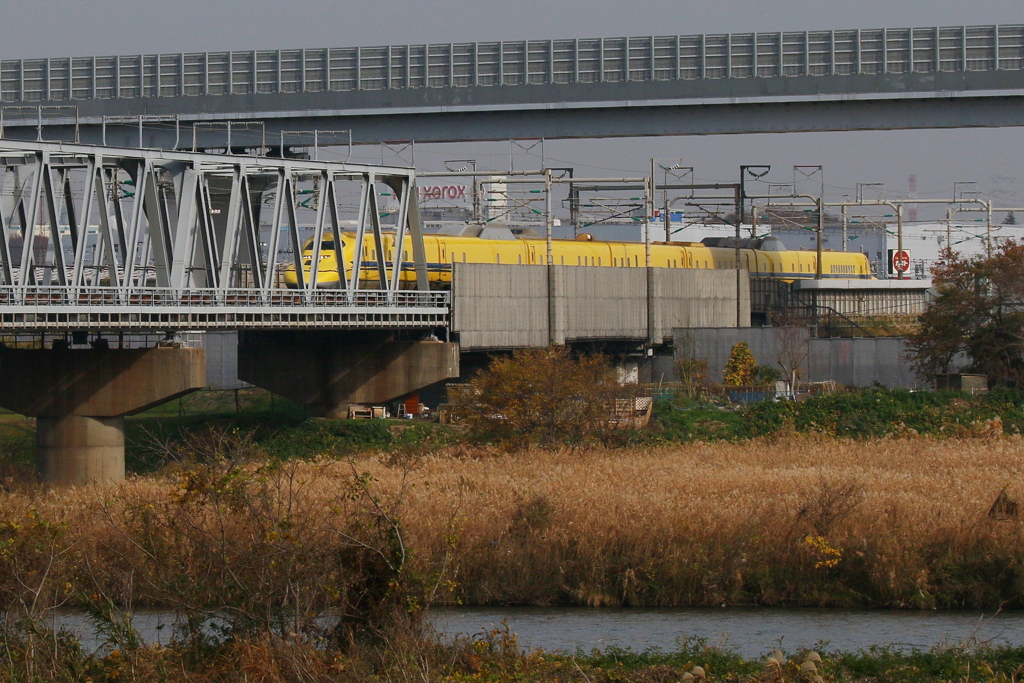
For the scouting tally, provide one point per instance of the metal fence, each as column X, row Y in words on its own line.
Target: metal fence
column 460, row 65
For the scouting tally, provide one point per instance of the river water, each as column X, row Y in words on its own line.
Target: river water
column 749, row 631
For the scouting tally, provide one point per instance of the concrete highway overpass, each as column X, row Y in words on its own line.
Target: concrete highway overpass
column 933, row 77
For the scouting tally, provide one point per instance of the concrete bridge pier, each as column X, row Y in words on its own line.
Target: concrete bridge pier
column 328, row 372
column 79, row 398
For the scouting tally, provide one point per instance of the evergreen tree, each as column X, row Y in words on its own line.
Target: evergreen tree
column 741, row 369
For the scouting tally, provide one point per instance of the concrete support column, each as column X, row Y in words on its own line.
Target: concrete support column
column 329, row 372
column 73, row 449
column 79, row 398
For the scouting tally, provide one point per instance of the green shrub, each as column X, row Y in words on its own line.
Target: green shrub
column 855, row 414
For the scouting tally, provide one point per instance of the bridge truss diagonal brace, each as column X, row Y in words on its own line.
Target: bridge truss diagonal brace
column 100, row 224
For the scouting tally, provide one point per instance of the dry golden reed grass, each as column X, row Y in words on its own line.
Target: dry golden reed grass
column 797, row 519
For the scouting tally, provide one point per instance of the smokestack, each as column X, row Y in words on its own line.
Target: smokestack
column 912, row 209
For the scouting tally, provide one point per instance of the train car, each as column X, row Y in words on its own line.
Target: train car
column 765, row 257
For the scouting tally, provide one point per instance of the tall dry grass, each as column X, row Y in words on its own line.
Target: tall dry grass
column 796, row 520
column 897, row 522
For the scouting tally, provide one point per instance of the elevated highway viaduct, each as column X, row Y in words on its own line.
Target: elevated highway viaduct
column 771, row 82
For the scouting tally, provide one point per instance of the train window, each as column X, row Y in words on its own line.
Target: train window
column 615, row 261
column 497, row 258
column 519, row 259
column 636, row 261
column 405, row 254
column 598, row 260
column 578, row 262
column 563, row 260
column 463, row 257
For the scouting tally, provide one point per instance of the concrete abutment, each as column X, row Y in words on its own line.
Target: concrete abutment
column 328, row 372
column 79, row 398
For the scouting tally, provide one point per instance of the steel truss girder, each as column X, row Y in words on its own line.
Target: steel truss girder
column 188, row 226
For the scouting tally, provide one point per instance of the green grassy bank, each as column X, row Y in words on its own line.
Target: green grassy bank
column 34, row 654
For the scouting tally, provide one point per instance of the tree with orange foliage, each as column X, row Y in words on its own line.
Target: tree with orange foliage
column 976, row 321
column 546, row 397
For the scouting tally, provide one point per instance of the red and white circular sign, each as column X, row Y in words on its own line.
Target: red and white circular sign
column 900, row 261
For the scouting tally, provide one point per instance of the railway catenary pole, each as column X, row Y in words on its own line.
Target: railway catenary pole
column 649, row 199
column 949, row 232
column 987, row 207
column 846, row 217
column 667, row 216
column 648, row 210
column 549, row 224
column 821, row 230
column 988, row 231
column 897, row 206
column 899, row 240
column 739, row 281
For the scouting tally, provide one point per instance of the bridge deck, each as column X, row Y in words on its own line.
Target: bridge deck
column 597, row 87
column 63, row 309
column 513, row 63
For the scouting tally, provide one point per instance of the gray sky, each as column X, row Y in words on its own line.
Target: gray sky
column 993, row 158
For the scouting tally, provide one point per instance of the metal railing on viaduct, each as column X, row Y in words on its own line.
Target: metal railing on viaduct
column 556, row 88
column 107, row 239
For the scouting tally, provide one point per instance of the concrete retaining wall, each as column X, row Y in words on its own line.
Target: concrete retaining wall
column 507, row 306
column 852, row 362
column 221, row 360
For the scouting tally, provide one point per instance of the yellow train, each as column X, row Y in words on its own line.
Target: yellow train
column 764, row 257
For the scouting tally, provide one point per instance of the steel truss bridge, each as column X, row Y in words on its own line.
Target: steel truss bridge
column 931, row 77
column 107, row 239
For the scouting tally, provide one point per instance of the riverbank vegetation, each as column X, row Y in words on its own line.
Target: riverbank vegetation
column 910, row 522
column 292, row 549
column 494, row 656
column 320, row 567
column 862, row 414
